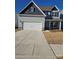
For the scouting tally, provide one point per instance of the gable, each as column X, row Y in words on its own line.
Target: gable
column 32, row 9
column 55, row 8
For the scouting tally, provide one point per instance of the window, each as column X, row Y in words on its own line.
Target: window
column 49, row 13
column 55, row 14
column 32, row 9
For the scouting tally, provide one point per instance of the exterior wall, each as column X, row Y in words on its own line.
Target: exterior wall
column 19, row 22
column 30, row 19
column 51, row 14
column 48, row 16
column 54, row 16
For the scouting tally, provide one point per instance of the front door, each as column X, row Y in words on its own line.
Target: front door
column 54, row 25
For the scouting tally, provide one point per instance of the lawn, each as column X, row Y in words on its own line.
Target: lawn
column 54, row 37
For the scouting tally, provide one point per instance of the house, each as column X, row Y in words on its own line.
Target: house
column 33, row 17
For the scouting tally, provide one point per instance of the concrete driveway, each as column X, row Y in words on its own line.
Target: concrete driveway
column 32, row 45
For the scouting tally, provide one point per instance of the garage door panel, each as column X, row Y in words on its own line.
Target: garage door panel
column 32, row 26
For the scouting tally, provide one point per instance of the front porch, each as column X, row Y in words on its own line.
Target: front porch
column 52, row 24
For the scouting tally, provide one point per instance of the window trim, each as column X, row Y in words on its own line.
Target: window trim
column 58, row 14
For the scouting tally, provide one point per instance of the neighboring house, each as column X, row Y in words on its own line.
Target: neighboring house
column 32, row 17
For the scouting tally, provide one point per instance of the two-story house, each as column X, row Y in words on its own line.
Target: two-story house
column 33, row 17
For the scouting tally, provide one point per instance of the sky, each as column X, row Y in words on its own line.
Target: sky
column 20, row 4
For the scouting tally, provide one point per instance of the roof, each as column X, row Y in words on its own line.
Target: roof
column 55, row 8
column 44, row 8
column 49, row 8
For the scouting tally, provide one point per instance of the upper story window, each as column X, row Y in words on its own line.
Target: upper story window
column 32, row 9
column 49, row 13
column 55, row 14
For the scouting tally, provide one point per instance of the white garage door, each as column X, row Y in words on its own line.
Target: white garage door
column 32, row 26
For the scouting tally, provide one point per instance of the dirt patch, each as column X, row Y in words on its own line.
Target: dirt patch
column 60, row 57
column 17, row 29
column 54, row 37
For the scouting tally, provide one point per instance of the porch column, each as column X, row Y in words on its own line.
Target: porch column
column 60, row 25
column 49, row 25
column 43, row 24
column 22, row 25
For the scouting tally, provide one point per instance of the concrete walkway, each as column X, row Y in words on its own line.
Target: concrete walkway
column 32, row 45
